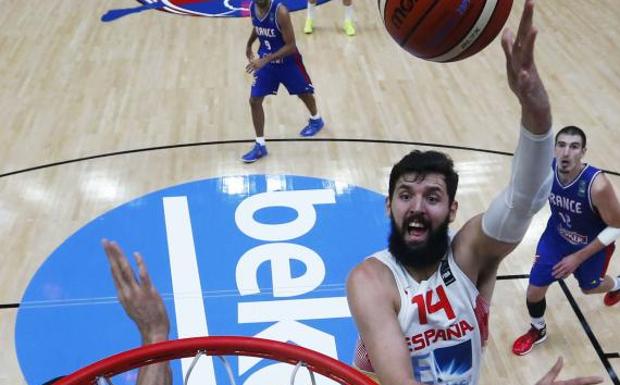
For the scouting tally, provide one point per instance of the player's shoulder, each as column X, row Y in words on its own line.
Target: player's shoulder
column 600, row 182
column 280, row 7
column 373, row 281
column 370, row 269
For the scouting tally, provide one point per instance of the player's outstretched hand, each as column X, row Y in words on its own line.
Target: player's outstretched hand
column 522, row 74
column 139, row 298
column 549, row 378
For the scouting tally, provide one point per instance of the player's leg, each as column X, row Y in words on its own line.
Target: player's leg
column 258, row 115
column 613, row 295
column 605, row 284
column 541, row 276
column 310, row 103
column 348, row 26
column 297, row 81
column 315, row 123
column 259, row 149
column 310, row 14
column 593, row 279
column 264, row 84
column 536, row 306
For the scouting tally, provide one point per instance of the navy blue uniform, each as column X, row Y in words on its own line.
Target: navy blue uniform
column 573, row 224
column 288, row 70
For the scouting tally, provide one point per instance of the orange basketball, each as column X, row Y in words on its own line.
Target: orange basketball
column 444, row 30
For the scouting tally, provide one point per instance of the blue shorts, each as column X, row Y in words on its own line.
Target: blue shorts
column 551, row 249
column 291, row 72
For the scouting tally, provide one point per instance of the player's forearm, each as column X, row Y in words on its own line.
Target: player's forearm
column 537, row 119
column 251, row 40
column 536, row 108
column 286, row 50
column 510, row 213
column 592, row 248
column 155, row 374
column 604, row 238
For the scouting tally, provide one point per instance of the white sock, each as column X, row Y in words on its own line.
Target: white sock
column 538, row 323
column 310, row 10
column 315, row 117
column 348, row 12
column 616, row 284
column 260, row 140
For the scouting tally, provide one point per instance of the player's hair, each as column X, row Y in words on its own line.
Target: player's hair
column 424, row 163
column 572, row 130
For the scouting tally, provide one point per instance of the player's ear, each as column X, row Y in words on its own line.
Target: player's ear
column 453, row 208
column 388, row 206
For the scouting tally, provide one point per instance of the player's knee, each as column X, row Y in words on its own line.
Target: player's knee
column 535, row 294
column 586, row 291
column 255, row 101
column 592, row 290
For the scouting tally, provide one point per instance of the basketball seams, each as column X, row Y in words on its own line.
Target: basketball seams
column 480, row 25
column 417, row 24
column 488, row 34
column 444, row 30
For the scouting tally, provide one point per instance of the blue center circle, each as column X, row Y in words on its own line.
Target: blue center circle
column 258, row 255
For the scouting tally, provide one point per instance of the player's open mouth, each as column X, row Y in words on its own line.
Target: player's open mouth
column 416, row 230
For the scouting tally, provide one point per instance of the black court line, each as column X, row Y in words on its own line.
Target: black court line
column 512, row 276
column 211, row 143
column 589, row 333
column 604, row 357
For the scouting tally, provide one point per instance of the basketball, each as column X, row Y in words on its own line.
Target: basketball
column 444, row 30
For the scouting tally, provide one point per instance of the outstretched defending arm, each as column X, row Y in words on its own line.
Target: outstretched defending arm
column 144, row 306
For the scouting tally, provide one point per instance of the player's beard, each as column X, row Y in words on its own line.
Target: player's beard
column 262, row 3
column 421, row 255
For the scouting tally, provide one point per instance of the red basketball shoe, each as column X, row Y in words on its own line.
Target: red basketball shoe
column 524, row 344
column 612, row 298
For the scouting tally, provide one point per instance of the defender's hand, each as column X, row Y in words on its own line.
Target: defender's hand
column 255, row 65
column 139, row 298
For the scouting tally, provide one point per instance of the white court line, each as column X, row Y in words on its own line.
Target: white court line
column 293, row 310
column 188, row 303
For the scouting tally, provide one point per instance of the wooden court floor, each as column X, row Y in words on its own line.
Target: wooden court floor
column 95, row 114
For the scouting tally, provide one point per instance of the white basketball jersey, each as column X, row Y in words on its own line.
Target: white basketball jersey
column 444, row 320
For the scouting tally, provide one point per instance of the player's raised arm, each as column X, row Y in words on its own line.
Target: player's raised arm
column 523, row 76
column 143, row 305
column 504, row 224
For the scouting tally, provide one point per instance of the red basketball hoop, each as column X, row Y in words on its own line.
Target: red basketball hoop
column 218, row 346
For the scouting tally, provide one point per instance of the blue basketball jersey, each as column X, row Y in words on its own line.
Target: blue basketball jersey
column 573, row 216
column 268, row 29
